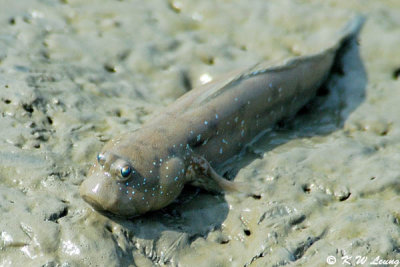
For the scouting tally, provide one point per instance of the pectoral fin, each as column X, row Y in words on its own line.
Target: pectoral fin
column 201, row 174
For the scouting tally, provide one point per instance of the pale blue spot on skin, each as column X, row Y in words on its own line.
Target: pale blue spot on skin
column 153, row 188
column 176, row 178
column 160, row 160
column 154, row 163
column 216, row 116
column 174, row 145
column 242, row 123
column 224, row 141
column 145, row 190
column 205, row 122
column 166, row 176
column 130, row 198
column 166, row 167
column 127, row 184
column 161, row 192
column 143, row 198
column 236, row 119
column 220, row 151
column 270, row 85
column 151, row 171
column 120, row 189
column 152, row 194
column 198, row 137
column 191, row 132
column 183, row 170
column 133, row 192
column 127, row 191
column 160, row 186
column 180, row 145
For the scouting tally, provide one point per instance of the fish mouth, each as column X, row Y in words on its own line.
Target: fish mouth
column 97, row 192
column 105, row 197
column 97, row 207
column 107, row 211
column 92, row 202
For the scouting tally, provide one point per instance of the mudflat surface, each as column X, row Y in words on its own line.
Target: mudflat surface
column 74, row 73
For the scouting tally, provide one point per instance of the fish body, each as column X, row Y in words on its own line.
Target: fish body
column 146, row 169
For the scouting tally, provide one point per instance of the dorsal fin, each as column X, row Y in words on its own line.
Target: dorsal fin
column 218, row 87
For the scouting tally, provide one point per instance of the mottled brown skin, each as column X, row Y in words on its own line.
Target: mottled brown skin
column 201, row 131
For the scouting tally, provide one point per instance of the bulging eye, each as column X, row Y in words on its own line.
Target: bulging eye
column 121, row 170
column 126, row 171
column 101, row 159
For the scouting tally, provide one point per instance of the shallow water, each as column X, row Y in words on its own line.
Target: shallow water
column 75, row 73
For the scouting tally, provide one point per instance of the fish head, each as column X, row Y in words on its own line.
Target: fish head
column 130, row 178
